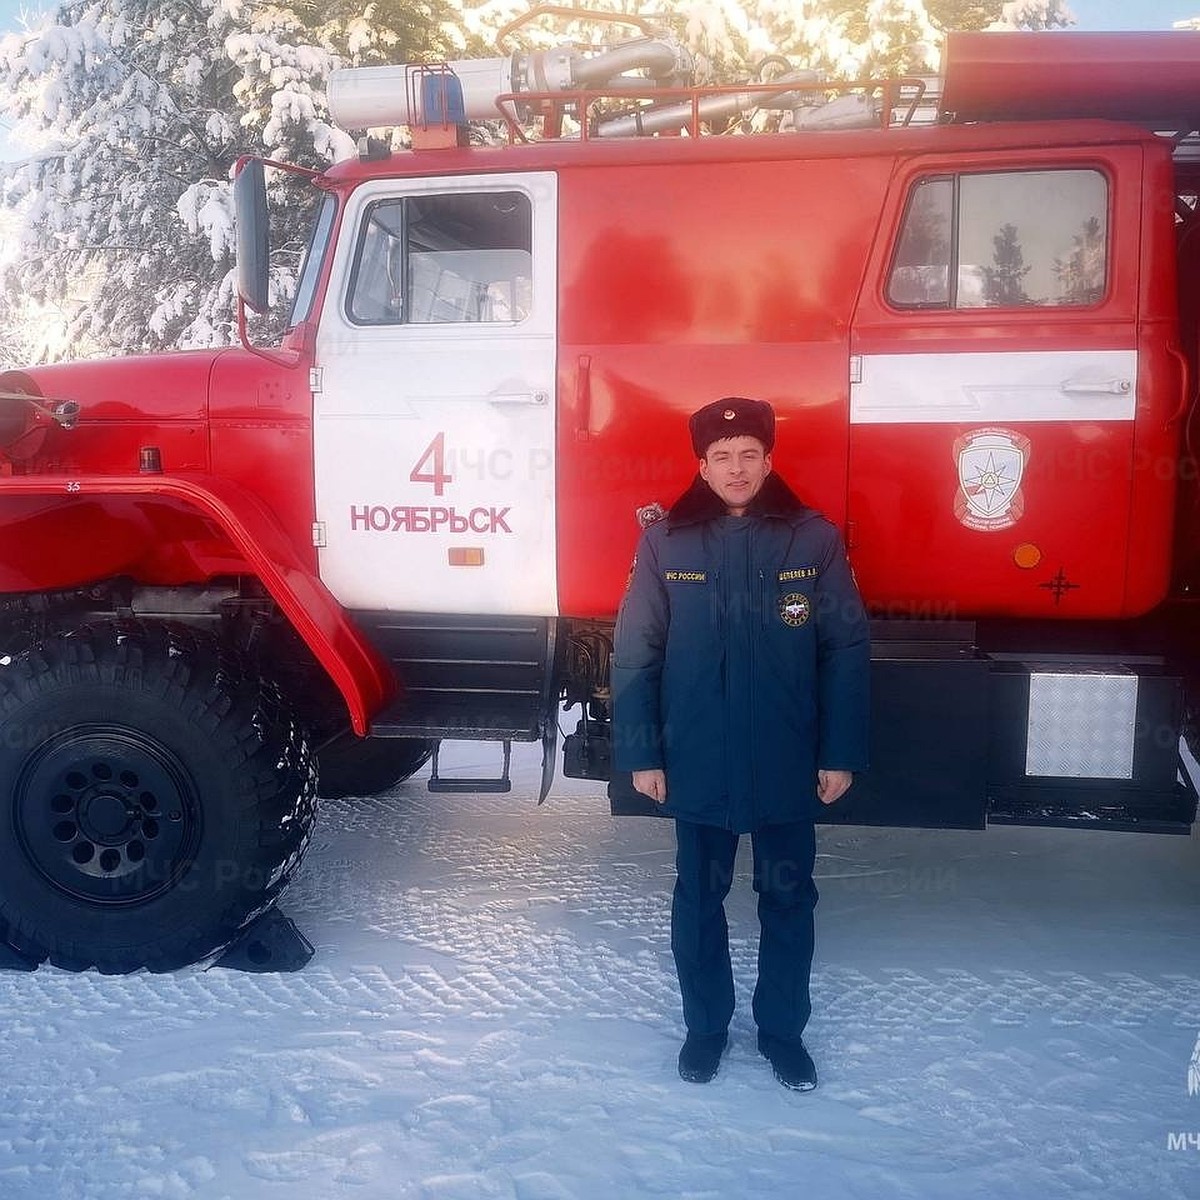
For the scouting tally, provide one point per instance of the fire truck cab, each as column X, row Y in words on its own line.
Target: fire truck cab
column 412, row 519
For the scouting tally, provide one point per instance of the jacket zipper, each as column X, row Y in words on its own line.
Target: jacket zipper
column 727, row 649
column 752, row 634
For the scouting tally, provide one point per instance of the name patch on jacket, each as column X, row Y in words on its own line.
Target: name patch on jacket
column 686, row 576
column 798, row 573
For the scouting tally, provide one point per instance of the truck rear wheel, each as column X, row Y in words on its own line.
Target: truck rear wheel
column 157, row 796
column 353, row 766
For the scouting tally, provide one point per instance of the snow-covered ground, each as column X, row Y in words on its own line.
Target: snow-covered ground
column 491, row 1012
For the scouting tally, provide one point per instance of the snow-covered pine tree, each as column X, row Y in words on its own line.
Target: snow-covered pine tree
column 123, row 99
column 1034, row 14
column 137, row 110
column 850, row 38
column 859, row 38
column 845, row 38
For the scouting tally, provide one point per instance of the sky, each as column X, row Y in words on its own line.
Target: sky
column 11, row 10
column 1132, row 14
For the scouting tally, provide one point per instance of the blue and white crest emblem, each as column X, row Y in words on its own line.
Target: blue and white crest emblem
column 991, row 463
column 794, row 608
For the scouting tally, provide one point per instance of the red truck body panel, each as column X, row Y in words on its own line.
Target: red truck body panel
column 690, row 269
column 1148, row 76
column 173, row 505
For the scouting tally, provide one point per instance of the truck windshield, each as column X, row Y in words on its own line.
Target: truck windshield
column 314, row 256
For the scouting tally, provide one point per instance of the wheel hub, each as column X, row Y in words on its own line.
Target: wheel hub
column 106, row 818
column 107, row 815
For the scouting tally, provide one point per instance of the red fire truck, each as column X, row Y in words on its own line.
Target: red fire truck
column 974, row 308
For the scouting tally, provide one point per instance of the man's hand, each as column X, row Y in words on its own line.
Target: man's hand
column 652, row 783
column 831, row 785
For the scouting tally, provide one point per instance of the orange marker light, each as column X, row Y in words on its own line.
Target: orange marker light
column 465, row 556
column 1027, row 555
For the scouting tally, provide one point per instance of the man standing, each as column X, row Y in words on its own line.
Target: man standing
column 740, row 685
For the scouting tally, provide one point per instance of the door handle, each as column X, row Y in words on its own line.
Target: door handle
column 1185, row 386
column 538, row 398
column 1094, row 387
column 583, row 398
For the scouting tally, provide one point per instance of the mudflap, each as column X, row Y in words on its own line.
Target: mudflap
column 549, row 743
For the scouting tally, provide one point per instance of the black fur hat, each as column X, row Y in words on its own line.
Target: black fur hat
column 733, row 416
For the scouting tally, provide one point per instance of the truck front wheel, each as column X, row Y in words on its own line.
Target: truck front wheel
column 156, row 797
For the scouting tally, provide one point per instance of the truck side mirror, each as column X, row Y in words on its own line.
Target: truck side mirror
column 253, row 235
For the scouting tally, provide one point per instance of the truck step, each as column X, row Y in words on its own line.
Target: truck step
column 438, row 783
column 464, row 677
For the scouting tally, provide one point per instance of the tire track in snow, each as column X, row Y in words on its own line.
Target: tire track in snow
column 579, row 981
column 494, row 984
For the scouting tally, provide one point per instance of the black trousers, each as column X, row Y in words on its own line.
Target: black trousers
column 783, row 864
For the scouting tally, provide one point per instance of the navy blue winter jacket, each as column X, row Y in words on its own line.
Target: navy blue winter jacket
column 741, row 659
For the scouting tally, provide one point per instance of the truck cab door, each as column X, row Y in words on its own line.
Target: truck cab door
column 997, row 370
column 433, row 406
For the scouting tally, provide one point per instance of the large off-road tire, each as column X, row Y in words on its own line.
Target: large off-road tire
column 156, row 796
column 354, row 766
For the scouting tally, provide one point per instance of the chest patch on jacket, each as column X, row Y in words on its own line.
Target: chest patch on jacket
column 794, row 608
column 686, row 576
column 798, row 573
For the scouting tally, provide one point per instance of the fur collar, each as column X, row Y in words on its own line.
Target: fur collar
column 701, row 503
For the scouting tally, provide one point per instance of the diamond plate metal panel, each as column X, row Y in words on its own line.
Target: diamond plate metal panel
column 1081, row 725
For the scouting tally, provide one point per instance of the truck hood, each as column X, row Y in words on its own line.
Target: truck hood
column 153, row 387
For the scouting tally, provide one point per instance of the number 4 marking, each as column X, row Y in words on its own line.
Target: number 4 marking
column 436, row 450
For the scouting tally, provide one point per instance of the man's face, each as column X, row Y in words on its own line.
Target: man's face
column 736, row 468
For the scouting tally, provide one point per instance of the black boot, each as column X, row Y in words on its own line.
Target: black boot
column 700, row 1056
column 792, row 1064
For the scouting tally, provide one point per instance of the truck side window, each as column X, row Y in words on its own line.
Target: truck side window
column 1013, row 239
column 921, row 269
column 438, row 259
